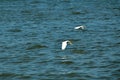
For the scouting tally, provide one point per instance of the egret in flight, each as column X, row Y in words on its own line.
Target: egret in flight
column 80, row 27
column 64, row 44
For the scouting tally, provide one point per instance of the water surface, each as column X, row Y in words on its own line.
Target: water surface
column 31, row 32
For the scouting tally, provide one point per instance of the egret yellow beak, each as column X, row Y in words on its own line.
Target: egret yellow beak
column 70, row 42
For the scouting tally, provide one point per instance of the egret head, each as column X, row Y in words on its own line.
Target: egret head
column 69, row 42
column 82, row 27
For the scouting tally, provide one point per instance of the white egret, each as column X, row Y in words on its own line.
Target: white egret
column 64, row 44
column 80, row 27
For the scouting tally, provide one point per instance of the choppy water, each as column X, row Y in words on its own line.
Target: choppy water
column 31, row 32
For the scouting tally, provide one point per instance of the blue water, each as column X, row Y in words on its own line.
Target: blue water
column 31, row 33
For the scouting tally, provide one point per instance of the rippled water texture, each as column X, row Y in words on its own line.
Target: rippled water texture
column 31, row 33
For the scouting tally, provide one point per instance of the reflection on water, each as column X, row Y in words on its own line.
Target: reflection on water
column 31, row 33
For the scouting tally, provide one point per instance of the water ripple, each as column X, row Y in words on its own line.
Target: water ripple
column 31, row 32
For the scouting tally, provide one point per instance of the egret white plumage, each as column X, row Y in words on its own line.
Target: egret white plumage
column 64, row 44
column 80, row 27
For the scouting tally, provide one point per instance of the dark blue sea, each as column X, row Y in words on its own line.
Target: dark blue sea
column 31, row 33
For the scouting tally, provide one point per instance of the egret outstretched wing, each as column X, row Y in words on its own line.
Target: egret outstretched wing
column 64, row 44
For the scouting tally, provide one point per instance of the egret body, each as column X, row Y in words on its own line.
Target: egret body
column 64, row 44
column 80, row 27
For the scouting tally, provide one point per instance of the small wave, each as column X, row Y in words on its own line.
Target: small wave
column 34, row 2
column 8, row 76
column 26, row 12
column 72, row 74
column 36, row 46
column 15, row 30
column 66, row 62
column 76, row 12
column 78, row 51
column 76, row 75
